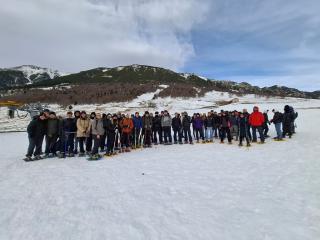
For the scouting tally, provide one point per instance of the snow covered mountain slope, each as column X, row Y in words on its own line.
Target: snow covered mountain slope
column 26, row 74
column 204, row 191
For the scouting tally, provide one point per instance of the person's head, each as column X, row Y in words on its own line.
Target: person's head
column 109, row 116
column 255, row 109
column 93, row 115
column 69, row 114
column 151, row 115
column 77, row 114
column 165, row 113
column 42, row 116
column 127, row 115
column 244, row 110
column 83, row 114
column 98, row 116
column 241, row 115
column 52, row 115
column 137, row 114
column 146, row 113
column 176, row 114
column 46, row 113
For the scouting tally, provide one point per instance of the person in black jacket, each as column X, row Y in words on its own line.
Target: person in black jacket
column 277, row 121
column 52, row 135
column 243, row 132
column 177, row 128
column 216, row 124
column 288, row 119
column 156, row 128
column 225, row 127
column 186, row 124
column 265, row 124
column 36, row 131
column 69, row 126
column 111, row 127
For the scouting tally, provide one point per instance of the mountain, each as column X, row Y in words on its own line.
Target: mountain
column 137, row 74
column 124, row 83
column 25, row 75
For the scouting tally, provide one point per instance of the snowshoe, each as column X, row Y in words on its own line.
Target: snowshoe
column 81, row 155
column 127, row 150
column 94, row 157
column 61, row 155
column 191, row 143
column 248, row 145
column 180, row 143
column 28, row 159
column 240, row 144
column 36, row 158
column 230, row 143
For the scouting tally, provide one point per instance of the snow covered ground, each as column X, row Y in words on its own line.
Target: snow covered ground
column 204, row 191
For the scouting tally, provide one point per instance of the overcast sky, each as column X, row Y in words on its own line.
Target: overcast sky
column 261, row 42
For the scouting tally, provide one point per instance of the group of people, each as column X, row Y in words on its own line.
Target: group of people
column 90, row 134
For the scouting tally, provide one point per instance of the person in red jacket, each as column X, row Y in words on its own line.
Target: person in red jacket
column 256, row 121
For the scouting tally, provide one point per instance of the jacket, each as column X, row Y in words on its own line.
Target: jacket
column 97, row 127
column 36, row 128
column 166, row 121
column 256, row 119
column 176, row 123
column 52, row 127
column 83, row 127
column 126, row 125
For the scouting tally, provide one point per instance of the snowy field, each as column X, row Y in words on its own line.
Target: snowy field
column 204, row 191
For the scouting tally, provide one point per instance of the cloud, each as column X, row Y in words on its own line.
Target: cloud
column 263, row 42
column 79, row 34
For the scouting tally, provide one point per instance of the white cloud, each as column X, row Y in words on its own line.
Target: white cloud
column 79, row 34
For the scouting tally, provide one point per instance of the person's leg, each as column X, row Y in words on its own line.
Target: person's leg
column 201, row 134
column 76, row 144
column 175, row 132
column 278, row 130
column 47, row 148
column 31, row 147
column 229, row 135
column 170, row 134
column 89, row 143
column 39, row 142
column 155, row 140
column 96, row 144
column 165, row 134
column 71, row 144
column 237, row 132
column 80, row 141
column 249, row 132
column 222, row 134
column 260, row 130
column 185, row 133
column 240, row 140
column 180, row 135
column 190, row 135
column 254, row 134
column 197, row 134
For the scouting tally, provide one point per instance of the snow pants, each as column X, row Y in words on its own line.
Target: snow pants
column 35, row 146
column 167, row 134
column 187, row 135
column 209, row 133
column 254, row 133
column 225, row 131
